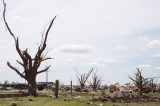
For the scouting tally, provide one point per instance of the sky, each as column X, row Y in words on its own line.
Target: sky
column 113, row 36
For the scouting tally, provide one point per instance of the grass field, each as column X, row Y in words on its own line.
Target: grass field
column 45, row 99
column 48, row 101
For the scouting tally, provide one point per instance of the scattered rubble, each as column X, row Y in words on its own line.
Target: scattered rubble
column 127, row 99
column 13, row 104
column 78, row 97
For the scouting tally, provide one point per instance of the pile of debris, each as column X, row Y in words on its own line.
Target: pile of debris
column 127, row 99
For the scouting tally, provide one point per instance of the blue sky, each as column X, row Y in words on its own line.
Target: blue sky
column 114, row 36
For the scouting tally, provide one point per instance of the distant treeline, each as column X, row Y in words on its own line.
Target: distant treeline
column 8, row 86
column 13, row 85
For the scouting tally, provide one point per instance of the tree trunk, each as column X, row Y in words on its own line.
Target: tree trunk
column 140, row 91
column 82, row 87
column 32, row 86
column 94, row 87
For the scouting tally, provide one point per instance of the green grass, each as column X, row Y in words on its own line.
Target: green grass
column 47, row 101
column 153, row 94
column 40, row 101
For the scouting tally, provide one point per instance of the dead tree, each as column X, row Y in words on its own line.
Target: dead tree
column 96, row 81
column 82, row 78
column 153, row 84
column 29, row 63
column 139, row 81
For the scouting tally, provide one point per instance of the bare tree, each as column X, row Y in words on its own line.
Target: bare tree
column 139, row 81
column 153, row 84
column 82, row 78
column 30, row 64
column 96, row 81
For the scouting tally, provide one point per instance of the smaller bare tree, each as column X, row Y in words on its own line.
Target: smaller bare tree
column 96, row 81
column 139, row 81
column 82, row 78
column 153, row 84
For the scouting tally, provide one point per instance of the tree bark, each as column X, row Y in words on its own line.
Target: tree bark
column 32, row 85
column 140, row 91
column 82, row 87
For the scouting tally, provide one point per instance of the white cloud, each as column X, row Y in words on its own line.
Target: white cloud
column 145, row 66
column 106, row 61
column 156, row 55
column 123, row 33
column 70, row 60
column 158, row 68
column 143, row 38
column 153, row 44
column 76, row 48
column 96, row 64
column 102, row 62
column 121, row 47
column 22, row 19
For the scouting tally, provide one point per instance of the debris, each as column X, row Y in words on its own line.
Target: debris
column 78, row 97
column 13, row 104
column 90, row 103
column 53, row 97
column 30, row 99
column 100, row 104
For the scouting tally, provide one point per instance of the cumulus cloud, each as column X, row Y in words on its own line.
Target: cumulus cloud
column 156, row 55
column 76, row 48
column 22, row 19
column 145, row 66
column 121, row 47
column 96, row 64
column 70, row 60
column 123, row 33
column 143, row 38
column 158, row 68
column 106, row 61
column 101, row 62
column 153, row 44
